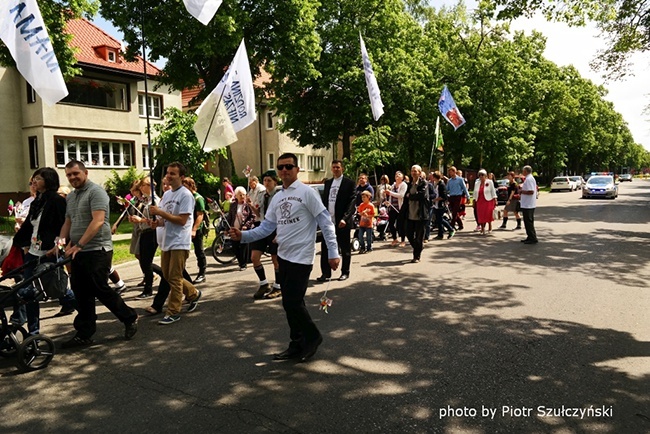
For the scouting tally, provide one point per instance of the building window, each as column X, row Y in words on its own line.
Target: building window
column 269, row 120
column 301, row 161
column 271, row 161
column 154, row 103
column 33, row 152
column 111, row 56
column 31, row 94
column 315, row 163
column 97, row 93
column 94, row 153
column 145, row 155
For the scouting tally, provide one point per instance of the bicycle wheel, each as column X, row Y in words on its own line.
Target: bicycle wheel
column 36, row 352
column 222, row 250
column 12, row 340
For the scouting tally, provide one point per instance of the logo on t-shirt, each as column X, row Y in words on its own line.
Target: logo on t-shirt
column 285, row 209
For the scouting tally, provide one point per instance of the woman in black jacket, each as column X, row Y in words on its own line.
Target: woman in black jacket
column 38, row 234
column 416, row 211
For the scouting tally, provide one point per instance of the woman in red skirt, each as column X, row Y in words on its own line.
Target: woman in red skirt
column 485, row 200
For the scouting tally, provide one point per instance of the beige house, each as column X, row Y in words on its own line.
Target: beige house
column 101, row 122
column 260, row 144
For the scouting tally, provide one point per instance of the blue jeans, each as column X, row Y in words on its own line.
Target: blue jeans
column 29, row 312
column 365, row 237
column 427, row 228
column 442, row 223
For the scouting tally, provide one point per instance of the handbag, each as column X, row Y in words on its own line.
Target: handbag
column 53, row 282
column 495, row 214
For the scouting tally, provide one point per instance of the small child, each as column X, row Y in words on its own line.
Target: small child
column 367, row 214
column 382, row 223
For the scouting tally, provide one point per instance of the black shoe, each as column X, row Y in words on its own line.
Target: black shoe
column 323, row 278
column 523, row 241
column 415, row 260
column 438, row 238
column 64, row 312
column 289, row 353
column 275, row 293
column 310, row 350
column 344, row 277
column 199, row 279
column 141, row 283
column 262, row 291
column 77, row 342
column 144, row 295
column 130, row 329
column 531, row 242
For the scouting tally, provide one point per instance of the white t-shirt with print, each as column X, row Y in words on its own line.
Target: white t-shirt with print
column 177, row 202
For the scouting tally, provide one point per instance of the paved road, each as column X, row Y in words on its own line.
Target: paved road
column 481, row 324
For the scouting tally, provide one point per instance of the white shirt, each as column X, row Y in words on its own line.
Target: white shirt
column 331, row 200
column 529, row 201
column 177, row 202
column 257, row 196
column 295, row 212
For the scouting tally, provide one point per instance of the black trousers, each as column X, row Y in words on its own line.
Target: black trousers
column 529, row 223
column 163, row 288
column 415, row 235
column 199, row 251
column 343, row 240
column 148, row 246
column 294, row 279
column 395, row 224
column 89, row 280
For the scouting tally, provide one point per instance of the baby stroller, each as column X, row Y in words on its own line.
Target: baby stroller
column 381, row 223
column 32, row 352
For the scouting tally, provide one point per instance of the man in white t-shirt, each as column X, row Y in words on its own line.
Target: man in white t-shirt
column 175, row 211
column 528, row 202
column 295, row 212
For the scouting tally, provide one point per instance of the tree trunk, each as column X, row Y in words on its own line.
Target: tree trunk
column 226, row 167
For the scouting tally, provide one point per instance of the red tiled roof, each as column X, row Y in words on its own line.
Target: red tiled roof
column 91, row 41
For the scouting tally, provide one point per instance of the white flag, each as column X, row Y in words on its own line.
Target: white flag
column 202, row 10
column 213, row 127
column 23, row 31
column 237, row 89
column 371, row 83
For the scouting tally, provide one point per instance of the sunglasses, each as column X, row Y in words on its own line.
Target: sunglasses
column 286, row 166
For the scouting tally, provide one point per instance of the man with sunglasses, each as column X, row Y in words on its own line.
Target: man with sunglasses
column 294, row 213
column 339, row 197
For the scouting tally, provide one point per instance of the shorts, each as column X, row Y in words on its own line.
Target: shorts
column 265, row 243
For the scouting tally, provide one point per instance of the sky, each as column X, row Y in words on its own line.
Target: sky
column 575, row 46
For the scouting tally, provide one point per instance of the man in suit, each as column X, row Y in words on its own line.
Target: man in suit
column 339, row 198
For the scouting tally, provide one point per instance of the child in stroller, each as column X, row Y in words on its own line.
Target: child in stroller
column 381, row 223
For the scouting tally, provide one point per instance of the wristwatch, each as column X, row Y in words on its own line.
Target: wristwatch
column 80, row 246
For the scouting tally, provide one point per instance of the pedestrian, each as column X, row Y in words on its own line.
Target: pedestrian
column 440, row 207
column 197, row 229
column 384, row 184
column 295, row 212
column 268, row 244
column 456, row 190
column 339, row 198
column 88, row 235
column 175, row 215
column 367, row 213
column 21, row 215
column 36, row 236
column 485, row 201
column 227, row 187
column 363, row 185
column 242, row 217
column 528, row 202
column 432, row 194
column 147, row 243
column 255, row 191
column 416, row 211
column 512, row 204
column 395, row 199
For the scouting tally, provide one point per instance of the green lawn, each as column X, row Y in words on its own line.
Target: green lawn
column 121, row 249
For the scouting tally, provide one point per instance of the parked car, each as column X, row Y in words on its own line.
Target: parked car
column 502, row 190
column 562, row 183
column 600, row 186
column 625, row 177
column 577, row 181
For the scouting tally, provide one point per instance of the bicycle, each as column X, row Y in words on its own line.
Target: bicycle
column 222, row 250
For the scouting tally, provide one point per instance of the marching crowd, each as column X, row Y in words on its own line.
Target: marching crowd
column 279, row 215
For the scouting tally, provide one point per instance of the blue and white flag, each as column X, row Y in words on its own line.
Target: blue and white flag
column 449, row 110
column 23, row 31
column 238, row 92
column 371, row 82
column 202, row 10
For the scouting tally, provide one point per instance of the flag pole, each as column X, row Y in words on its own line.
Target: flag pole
column 214, row 115
column 435, row 142
column 146, row 107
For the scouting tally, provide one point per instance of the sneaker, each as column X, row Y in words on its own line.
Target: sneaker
column 242, row 268
column 362, row 251
column 130, row 329
column 199, row 279
column 121, row 289
column 169, row 319
column 76, row 342
column 64, row 312
column 262, row 291
column 275, row 293
column 194, row 303
column 451, row 235
column 144, row 295
column 478, row 229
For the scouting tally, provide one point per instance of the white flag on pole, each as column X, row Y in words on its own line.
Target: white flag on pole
column 202, row 10
column 23, row 31
column 371, row 83
column 213, row 127
column 237, row 89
